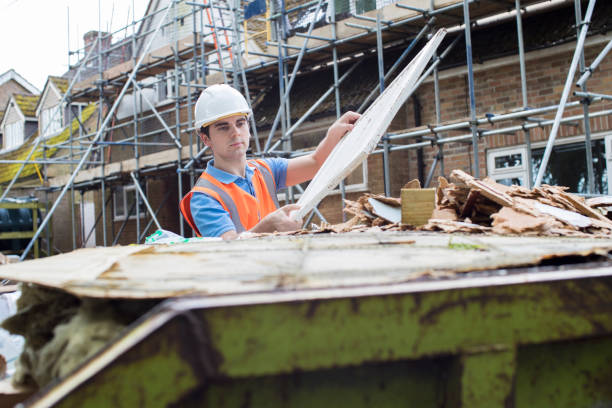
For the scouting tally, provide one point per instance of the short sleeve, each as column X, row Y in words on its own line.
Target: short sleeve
column 209, row 216
column 278, row 165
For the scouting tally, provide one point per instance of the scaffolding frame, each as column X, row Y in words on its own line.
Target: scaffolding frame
column 195, row 66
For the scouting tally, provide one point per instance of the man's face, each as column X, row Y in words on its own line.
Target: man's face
column 228, row 138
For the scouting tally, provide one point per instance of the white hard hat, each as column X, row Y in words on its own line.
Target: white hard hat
column 217, row 102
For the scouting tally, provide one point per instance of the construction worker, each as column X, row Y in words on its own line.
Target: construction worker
column 233, row 194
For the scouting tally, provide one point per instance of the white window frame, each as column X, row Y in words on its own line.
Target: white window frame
column 521, row 171
column 122, row 192
column 13, row 134
column 165, row 87
column 55, row 113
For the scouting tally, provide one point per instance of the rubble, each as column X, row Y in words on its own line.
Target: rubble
column 545, row 210
column 364, row 215
column 468, row 205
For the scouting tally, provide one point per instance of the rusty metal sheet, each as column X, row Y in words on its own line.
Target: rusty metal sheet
column 293, row 263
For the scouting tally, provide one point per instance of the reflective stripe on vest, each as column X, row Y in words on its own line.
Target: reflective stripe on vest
column 227, row 200
column 269, row 179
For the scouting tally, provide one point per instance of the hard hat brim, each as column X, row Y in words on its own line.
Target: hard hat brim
column 216, row 119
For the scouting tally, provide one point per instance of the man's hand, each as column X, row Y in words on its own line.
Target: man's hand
column 279, row 220
column 342, row 126
column 304, row 168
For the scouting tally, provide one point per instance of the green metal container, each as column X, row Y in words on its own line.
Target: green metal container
column 518, row 337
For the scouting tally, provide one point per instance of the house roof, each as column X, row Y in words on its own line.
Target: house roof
column 8, row 170
column 27, row 104
column 60, row 83
column 11, row 74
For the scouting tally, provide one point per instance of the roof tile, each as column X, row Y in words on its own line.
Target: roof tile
column 27, row 104
column 60, row 83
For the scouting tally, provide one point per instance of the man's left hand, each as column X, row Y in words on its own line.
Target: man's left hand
column 343, row 125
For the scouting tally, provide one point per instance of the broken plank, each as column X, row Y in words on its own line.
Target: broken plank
column 595, row 202
column 485, row 189
column 585, row 209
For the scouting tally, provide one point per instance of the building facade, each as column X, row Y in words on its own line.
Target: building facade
column 150, row 138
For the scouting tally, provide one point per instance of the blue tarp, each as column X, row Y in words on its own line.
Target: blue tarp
column 254, row 8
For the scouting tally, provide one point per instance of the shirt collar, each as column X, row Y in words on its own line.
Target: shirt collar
column 225, row 177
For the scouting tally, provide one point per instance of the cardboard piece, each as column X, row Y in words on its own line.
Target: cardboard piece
column 568, row 217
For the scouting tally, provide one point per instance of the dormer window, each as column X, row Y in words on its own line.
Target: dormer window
column 13, row 134
column 51, row 120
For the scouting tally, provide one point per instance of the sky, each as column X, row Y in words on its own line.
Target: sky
column 34, row 34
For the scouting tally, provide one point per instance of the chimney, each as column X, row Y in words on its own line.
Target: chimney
column 90, row 38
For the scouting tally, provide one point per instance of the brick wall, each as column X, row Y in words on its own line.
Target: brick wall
column 498, row 90
column 160, row 189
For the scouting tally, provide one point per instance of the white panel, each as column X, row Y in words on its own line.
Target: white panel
column 368, row 130
column 88, row 221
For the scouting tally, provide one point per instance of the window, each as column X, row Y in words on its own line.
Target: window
column 566, row 167
column 165, row 86
column 124, row 200
column 508, row 166
column 166, row 83
column 51, row 121
column 13, row 135
column 134, row 103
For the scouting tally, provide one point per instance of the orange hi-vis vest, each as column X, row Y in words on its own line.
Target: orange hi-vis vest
column 244, row 209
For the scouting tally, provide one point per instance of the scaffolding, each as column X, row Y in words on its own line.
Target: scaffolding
column 218, row 50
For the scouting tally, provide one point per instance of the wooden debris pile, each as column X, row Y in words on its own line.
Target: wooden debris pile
column 471, row 205
column 468, row 205
column 365, row 216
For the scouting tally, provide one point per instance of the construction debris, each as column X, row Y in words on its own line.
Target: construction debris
column 417, row 205
column 545, row 210
column 7, row 259
column 366, row 216
column 469, row 205
column 61, row 331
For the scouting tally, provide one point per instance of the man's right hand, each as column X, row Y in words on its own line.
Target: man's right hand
column 279, row 220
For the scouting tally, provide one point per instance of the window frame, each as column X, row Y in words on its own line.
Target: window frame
column 523, row 171
column 608, row 155
column 12, row 138
column 45, row 115
column 122, row 192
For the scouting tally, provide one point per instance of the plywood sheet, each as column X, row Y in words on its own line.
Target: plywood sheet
column 273, row 264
